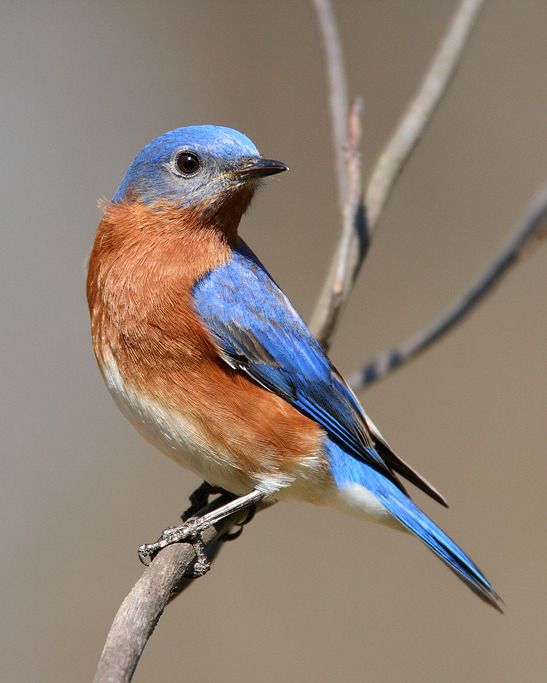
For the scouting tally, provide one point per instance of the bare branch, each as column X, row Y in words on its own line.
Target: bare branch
column 346, row 132
column 353, row 246
column 142, row 608
column 528, row 233
column 420, row 110
column 347, row 259
column 338, row 91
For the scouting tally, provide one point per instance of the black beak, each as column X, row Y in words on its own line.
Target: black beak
column 259, row 168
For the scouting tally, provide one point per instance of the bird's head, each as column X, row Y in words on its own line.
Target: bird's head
column 196, row 166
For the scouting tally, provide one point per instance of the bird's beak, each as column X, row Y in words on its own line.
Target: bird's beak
column 259, row 168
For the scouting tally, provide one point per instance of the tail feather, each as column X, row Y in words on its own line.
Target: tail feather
column 410, row 516
column 347, row 472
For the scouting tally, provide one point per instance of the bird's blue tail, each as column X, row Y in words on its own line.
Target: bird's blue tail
column 348, row 471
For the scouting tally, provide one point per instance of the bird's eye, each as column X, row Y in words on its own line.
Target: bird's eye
column 187, row 163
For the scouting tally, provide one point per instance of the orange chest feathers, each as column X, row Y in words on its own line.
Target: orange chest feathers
column 141, row 271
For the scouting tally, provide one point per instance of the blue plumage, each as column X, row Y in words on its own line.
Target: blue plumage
column 347, row 471
column 213, row 172
column 182, row 198
column 261, row 334
column 150, row 176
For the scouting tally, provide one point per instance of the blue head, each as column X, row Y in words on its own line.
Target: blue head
column 190, row 165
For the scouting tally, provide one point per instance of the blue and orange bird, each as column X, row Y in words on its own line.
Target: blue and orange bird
column 207, row 357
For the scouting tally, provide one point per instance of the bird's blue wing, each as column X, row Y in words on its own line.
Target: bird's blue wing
column 261, row 334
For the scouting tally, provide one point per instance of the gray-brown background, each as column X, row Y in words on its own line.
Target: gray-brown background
column 305, row 594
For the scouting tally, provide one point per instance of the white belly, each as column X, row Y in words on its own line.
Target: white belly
column 173, row 433
column 182, row 440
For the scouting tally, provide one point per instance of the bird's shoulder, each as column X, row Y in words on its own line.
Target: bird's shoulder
column 250, row 315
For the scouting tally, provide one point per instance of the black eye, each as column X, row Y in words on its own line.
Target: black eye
column 187, row 163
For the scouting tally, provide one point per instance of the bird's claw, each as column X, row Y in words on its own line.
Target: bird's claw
column 193, row 527
column 189, row 531
column 202, row 563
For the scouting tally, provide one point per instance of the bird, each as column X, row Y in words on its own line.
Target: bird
column 204, row 353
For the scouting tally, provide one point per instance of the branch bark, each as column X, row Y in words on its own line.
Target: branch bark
column 337, row 89
column 346, row 134
column 531, row 229
column 142, row 608
column 420, row 109
column 355, row 238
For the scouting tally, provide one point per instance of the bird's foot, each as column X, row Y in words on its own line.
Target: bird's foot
column 192, row 529
column 200, row 498
column 202, row 564
column 190, row 532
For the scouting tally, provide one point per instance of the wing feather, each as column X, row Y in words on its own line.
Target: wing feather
column 260, row 333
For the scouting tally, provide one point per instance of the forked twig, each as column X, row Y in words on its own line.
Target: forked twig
column 352, row 243
column 346, row 134
column 355, row 238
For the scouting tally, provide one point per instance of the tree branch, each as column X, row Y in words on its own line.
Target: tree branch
column 346, row 133
column 351, row 246
column 420, row 110
column 142, row 608
column 531, row 229
column 337, row 89
column 355, row 239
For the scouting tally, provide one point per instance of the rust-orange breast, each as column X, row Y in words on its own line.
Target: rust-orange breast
column 142, row 267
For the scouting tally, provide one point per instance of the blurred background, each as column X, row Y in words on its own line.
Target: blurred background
column 84, row 86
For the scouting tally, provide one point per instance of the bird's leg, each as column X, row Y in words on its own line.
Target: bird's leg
column 200, row 498
column 193, row 528
column 251, row 512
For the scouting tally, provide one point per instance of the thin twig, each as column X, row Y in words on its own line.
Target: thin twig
column 531, row 229
column 420, row 110
column 338, row 91
column 346, row 133
column 391, row 162
column 347, row 260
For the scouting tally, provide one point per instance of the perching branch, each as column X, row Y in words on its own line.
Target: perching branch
column 531, row 229
column 142, row 608
column 355, row 239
